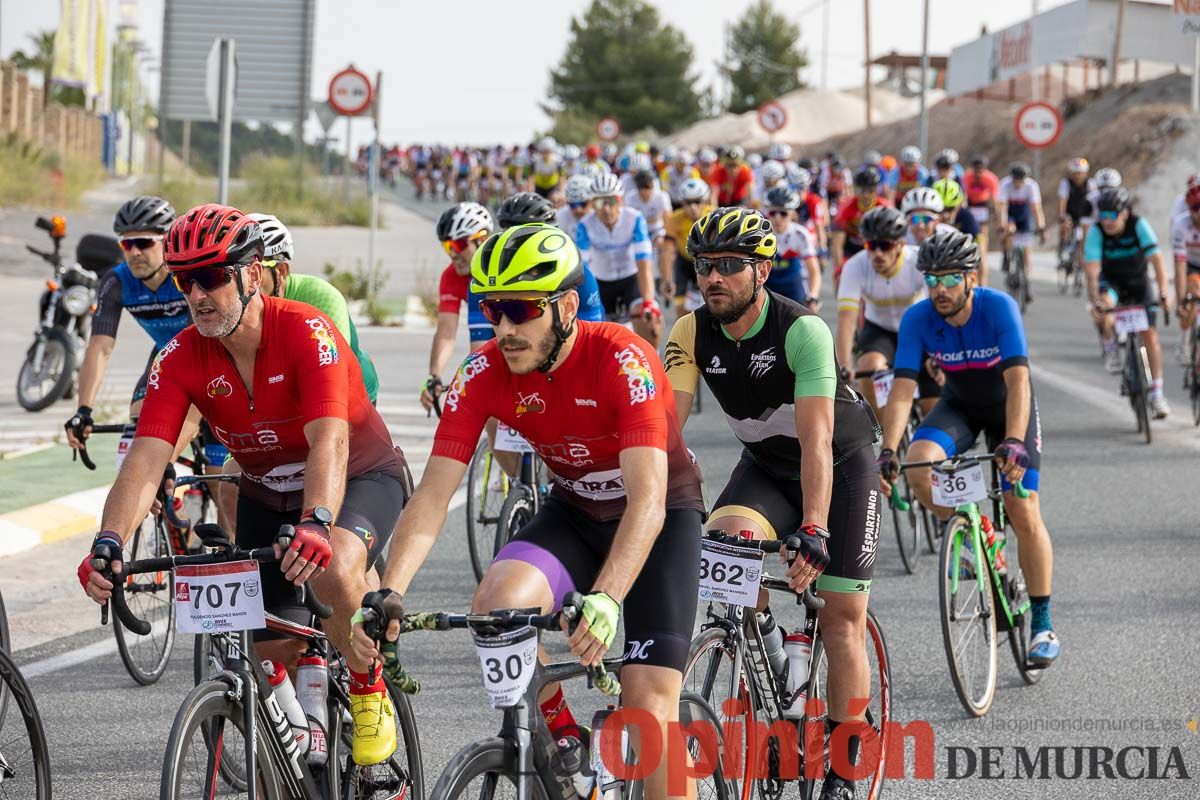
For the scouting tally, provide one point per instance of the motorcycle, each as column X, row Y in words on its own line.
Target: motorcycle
column 51, row 365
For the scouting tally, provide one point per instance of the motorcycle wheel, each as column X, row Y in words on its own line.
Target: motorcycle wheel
column 40, row 390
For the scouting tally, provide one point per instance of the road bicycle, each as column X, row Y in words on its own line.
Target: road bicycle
column 1069, row 270
column 1016, row 281
column 729, row 668
column 1191, row 370
column 1136, row 382
column 6, row 646
column 980, row 585
column 523, row 760
column 24, row 753
column 231, row 726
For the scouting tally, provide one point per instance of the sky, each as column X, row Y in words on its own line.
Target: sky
column 476, row 71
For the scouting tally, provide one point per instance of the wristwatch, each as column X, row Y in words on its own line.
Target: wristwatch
column 320, row 515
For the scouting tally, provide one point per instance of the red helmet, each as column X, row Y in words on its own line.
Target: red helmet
column 210, row 235
column 592, row 152
column 1192, row 198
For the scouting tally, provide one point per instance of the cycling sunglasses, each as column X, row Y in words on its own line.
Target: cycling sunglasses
column 578, row 206
column 518, row 311
column 456, row 246
column 606, row 202
column 882, row 245
column 922, row 219
column 949, row 280
column 209, row 278
column 1109, row 215
column 778, row 212
column 140, row 242
column 725, row 265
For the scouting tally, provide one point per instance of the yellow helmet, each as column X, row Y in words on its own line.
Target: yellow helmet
column 950, row 192
column 741, row 230
column 535, row 257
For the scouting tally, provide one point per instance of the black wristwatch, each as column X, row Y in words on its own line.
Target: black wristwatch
column 320, row 515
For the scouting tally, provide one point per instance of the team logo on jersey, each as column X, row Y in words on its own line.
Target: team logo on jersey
column 322, row 334
column 714, row 367
column 761, row 363
column 530, row 404
column 636, row 369
column 472, row 365
column 674, row 356
column 168, row 348
column 219, row 387
column 866, row 556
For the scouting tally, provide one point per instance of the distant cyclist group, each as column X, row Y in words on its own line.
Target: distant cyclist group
column 563, row 259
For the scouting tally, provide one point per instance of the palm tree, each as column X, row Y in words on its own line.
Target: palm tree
column 41, row 61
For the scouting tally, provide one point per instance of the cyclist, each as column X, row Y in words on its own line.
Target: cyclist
column 835, row 180
column 981, row 186
column 681, row 170
column 908, row 174
column 315, row 454
column 140, row 285
column 1076, row 201
column 811, row 213
column 1019, row 200
column 578, row 193
column 846, row 240
column 1185, row 243
column 654, row 205
column 806, row 467
column 547, row 172
column 795, row 270
column 623, row 519
column 946, row 167
column 594, row 165
column 977, row 336
column 923, row 208
column 732, row 179
column 694, row 195
column 956, row 214
column 1116, row 255
column 615, row 244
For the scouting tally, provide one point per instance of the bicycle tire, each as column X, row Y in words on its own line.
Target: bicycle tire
column 1020, row 279
column 959, row 532
column 203, row 670
column 1020, row 633
column 481, row 524
column 31, row 778
column 516, row 512
column 148, row 671
column 490, row 760
column 708, row 651
column 6, row 646
column 1140, row 392
column 206, row 711
column 878, row 718
column 363, row 781
column 1194, row 341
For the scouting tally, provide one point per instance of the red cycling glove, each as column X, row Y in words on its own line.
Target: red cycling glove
column 312, row 542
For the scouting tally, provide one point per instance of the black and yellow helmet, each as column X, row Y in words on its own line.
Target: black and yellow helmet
column 534, row 257
column 740, row 230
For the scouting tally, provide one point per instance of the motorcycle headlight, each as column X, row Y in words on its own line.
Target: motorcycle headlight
column 77, row 300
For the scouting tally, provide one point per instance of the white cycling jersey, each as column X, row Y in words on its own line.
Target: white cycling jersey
column 1185, row 239
column 1179, row 206
column 796, row 242
column 567, row 221
column 884, row 299
column 942, row 227
column 655, row 210
column 612, row 253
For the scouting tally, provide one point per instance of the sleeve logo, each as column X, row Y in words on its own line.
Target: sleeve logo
column 322, row 334
column 156, row 369
column 636, row 369
column 473, row 365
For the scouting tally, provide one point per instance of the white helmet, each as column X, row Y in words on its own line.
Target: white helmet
column 670, row 153
column 754, row 160
column 1107, row 178
column 798, row 177
column 277, row 240
column 546, row 144
column 639, row 162
column 773, row 172
column 780, row 151
column 610, row 151
column 593, row 169
column 922, row 198
column 910, row 154
column 694, row 189
column 571, row 152
column 606, row 185
column 708, row 156
column 463, row 220
column 686, row 157
column 579, row 188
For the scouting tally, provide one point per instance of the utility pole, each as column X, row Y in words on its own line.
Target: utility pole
column 1035, row 90
column 867, row 60
column 1116, row 51
column 825, row 48
column 923, row 137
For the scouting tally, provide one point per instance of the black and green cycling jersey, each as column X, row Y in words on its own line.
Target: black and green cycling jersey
column 787, row 354
column 323, row 295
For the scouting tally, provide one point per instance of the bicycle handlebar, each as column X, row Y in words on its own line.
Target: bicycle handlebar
column 82, row 451
column 953, row 464
column 792, row 543
column 189, row 480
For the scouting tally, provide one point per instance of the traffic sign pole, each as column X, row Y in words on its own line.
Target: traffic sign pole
column 225, row 117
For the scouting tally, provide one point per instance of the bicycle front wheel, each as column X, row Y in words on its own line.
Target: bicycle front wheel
column 1139, row 389
column 6, row 646
column 24, row 754
column 487, row 486
column 484, row 770
column 151, row 597
column 1194, row 366
column 968, row 616
column 713, row 673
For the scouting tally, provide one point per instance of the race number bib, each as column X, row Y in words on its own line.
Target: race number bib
column 965, row 485
column 1131, row 320
column 215, row 598
column 883, row 387
column 508, row 663
column 509, row 441
column 729, row 574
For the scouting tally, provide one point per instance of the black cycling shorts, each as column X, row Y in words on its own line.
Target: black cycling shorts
column 777, row 504
column 370, row 508
column 685, row 276
column 1131, row 291
column 569, row 548
column 873, row 338
column 954, row 428
column 619, row 296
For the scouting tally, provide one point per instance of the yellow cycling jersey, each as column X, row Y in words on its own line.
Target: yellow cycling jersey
column 679, row 224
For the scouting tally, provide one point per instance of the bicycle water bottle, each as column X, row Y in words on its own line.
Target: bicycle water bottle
column 285, row 695
column 798, row 647
column 772, row 643
column 989, row 533
column 312, row 689
column 609, row 785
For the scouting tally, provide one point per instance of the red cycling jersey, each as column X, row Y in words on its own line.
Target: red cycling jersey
column 980, row 189
column 851, row 214
column 610, row 393
column 452, row 290
column 304, row 370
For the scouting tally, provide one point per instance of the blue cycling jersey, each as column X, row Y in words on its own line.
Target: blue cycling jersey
column 590, row 308
column 972, row 357
column 162, row 313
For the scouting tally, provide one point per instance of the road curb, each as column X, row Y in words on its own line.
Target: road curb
column 53, row 521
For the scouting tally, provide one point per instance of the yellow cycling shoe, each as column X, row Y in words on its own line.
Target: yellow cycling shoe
column 374, row 728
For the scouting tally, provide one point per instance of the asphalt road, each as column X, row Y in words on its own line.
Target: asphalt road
column 1125, row 603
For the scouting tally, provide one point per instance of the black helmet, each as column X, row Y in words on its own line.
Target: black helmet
column 943, row 161
column 525, row 207
column 145, row 213
column 782, row 197
column 979, row 160
column 948, row 251
column 883, row 223
column 867, row 177
column 808, row 164
column 1116, row 199
column 741, row 230
column 1019, row 170
column 644, row 179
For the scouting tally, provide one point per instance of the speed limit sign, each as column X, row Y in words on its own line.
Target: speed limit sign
column 1038, row 125
column 608, row 128
column 350, row 92
column 772, row 116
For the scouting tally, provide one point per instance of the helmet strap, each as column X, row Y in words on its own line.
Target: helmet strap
column 245, row 298
column 561, row 334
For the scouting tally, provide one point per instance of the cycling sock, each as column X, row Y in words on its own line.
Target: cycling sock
column 1110, row 345
column 367, row 683
column 852, row 744
column 1040, row 614
column 559, row 718
column 1156, row 385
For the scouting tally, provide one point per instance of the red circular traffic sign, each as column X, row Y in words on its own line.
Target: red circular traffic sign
column 608, row 128
column 1038, row 125
column 350, row 92
column 772, row 116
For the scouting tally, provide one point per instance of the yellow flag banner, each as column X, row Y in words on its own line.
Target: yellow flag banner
column 96, row 82
column 71, row 50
